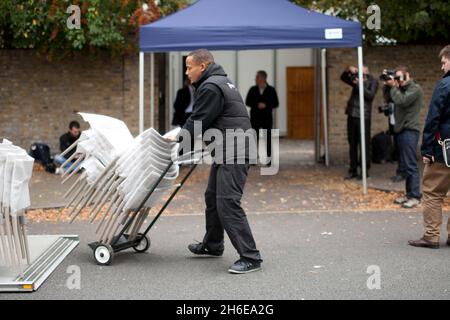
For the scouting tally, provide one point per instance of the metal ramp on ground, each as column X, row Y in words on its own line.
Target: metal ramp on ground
column 47, row 252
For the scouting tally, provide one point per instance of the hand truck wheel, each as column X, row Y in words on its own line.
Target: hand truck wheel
column 143, row 245
column 104, row 254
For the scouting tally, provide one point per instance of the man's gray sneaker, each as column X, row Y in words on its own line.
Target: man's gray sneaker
column 200, row 249
column 411, row 203
column 401, row 200
column 244, row 266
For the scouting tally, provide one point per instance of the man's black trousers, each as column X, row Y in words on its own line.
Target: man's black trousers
column 224, row 212
column 259, row 124
column 354, row 140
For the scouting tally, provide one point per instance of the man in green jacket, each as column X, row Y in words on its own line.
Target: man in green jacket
column 407, row 96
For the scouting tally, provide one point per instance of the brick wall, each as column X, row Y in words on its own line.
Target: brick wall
column 424, row 67
column 38, row 98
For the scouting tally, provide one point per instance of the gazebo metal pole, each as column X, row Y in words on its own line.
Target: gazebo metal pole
column 152, row 89
column 325, row 106
column 362, row 122
column 141, row 92
column 236, row 68
column 317, row 128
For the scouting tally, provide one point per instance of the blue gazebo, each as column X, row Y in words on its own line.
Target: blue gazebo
column 247, row 25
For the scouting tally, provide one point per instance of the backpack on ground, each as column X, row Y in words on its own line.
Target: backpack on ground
column 381, row 147
column 41, row 153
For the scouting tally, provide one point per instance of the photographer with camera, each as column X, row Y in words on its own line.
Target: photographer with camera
column 350, row 77
column 389, row 111
column 407, row 96
column 436, row 157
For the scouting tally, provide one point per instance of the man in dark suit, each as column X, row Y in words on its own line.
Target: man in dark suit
column 183, row 104
column 370, row 84
column 262, row 99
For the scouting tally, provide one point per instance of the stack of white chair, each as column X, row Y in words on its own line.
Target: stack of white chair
column 16, row 168
column 97, row 150
column 119, row 173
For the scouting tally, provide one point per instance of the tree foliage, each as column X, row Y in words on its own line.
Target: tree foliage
column 106, row 25
column 406, row 21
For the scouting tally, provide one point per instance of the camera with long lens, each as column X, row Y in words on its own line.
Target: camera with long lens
column 387, row 109
column 387, row 75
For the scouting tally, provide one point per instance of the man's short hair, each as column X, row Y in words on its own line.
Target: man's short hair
column 74, row 124
column 202, row 56
column 445, row 52
column 403, row 69
column 262, row 73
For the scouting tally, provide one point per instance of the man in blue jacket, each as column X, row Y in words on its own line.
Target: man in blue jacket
column 436, row 175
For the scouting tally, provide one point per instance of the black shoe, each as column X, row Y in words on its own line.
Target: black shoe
column 360, row 176
column 397, row 178
column 244, row 266
column 351, row 176
column 448, row 241
column 200, row 249
column 423, row 243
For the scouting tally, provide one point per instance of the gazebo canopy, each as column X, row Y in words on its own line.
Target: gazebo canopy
column 247, row 24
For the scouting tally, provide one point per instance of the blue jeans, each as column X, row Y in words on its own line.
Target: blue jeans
column 407, row 146
column 60, row 160
column 400, row 170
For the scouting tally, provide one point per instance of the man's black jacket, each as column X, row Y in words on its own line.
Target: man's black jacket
column 269, row 97
column 370, row 85
column 438, row 120
column 65, row 141
column 182, row 101
column 217, row 104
